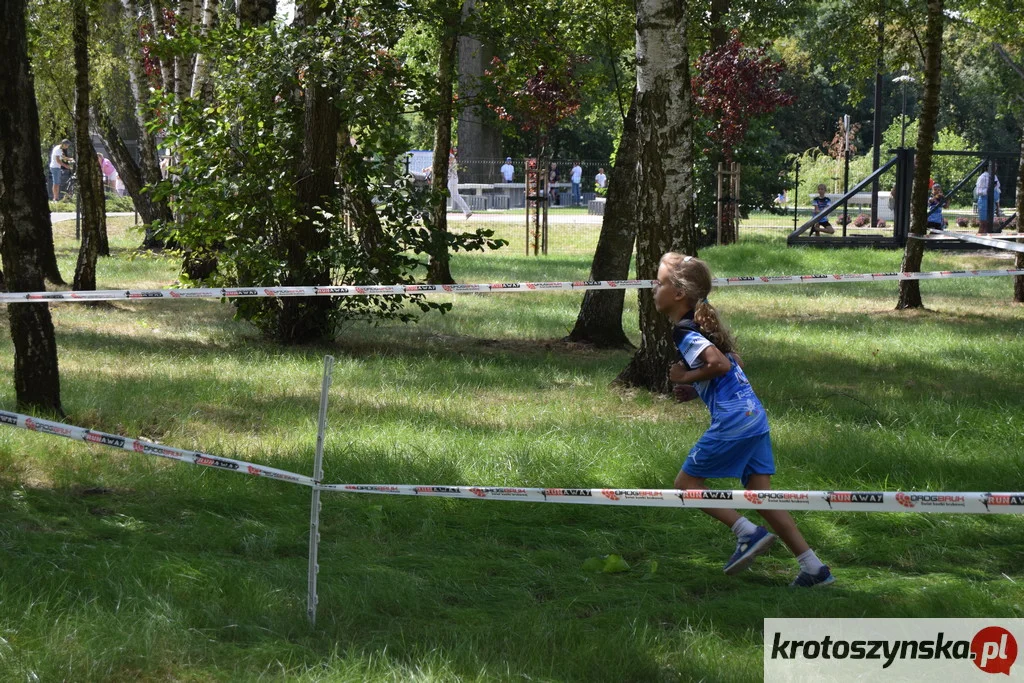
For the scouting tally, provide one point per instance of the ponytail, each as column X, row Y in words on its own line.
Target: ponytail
column 692, row 277
column 705, row 315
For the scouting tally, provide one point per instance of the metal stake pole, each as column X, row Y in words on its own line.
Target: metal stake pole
column 318, row 475
column 796, row 194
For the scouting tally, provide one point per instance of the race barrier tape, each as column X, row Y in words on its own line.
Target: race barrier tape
column 125, row 443
column 493, row 288
column 834, row 501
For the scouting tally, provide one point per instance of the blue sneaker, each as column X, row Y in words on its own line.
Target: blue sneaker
column 748, row 549
column 807, row 580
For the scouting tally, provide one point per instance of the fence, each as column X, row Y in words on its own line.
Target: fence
column 574, row 220
column 574, row 226
column 793, row 208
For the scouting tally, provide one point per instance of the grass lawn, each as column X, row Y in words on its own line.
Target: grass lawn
column 123, row 567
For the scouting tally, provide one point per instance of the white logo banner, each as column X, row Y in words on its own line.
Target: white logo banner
column 892, row 650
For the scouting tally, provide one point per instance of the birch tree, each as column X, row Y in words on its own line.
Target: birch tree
column 664, row 173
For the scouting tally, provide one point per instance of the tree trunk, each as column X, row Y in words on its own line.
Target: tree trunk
column 664, row 174
column 24, row 218
column 359, row 201
column 439, row 271
column 309, row 319
column 478, row 137
column 255, row 12
column 148, row 168
column 719, row 32
column 600, row 318
column 131, row 174
column 200, row 75
column 910, row 290
column 1018, row 281
column 90, row 181
column 160, row 29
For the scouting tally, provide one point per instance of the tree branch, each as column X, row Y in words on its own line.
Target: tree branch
column 917, row 39
column 1009, row 60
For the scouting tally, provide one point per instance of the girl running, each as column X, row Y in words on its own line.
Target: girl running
column 737, row 443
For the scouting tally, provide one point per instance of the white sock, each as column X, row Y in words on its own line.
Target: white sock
column 743, row 528
column 809, row 562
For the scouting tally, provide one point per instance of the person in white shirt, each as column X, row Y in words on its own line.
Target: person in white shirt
column 576, row 176
column 58, row 162
column 507, row 170
column 453, row 184
column 601, row 180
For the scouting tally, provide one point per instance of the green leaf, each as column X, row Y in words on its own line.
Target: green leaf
column 614, row 564
column 606, row 564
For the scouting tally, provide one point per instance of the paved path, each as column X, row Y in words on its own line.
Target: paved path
column 554, row 217
column 59, row 216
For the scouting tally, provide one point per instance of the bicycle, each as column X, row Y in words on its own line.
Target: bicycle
column 69, row 188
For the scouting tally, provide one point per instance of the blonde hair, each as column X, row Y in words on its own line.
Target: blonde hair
column 692, row 277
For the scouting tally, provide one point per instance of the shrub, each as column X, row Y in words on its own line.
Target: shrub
column 236, row 184
column 963, row 221
column 881, row 223
column 974, row 222
column 861, row 220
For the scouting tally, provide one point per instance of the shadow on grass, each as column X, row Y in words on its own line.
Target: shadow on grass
column 490, row 590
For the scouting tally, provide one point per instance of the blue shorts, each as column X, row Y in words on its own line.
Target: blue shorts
column 713, row 458
column 55, row 174
column 983, row 208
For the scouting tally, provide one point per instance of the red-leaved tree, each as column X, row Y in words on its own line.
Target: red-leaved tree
column 537, row 101
column 732, row 86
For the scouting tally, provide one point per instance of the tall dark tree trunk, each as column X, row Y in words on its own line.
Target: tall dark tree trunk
column 664, row 174
column 600, row 318
column 90, row 181
column 439, row 271
column 719, row 31
column 255, row 12
column 24, row 218
column 910, row 290
column 358, row 199
column 309, row 319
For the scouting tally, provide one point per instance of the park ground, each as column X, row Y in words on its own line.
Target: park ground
column 118, row 566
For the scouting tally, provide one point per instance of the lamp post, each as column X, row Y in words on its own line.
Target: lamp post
column 903, row 79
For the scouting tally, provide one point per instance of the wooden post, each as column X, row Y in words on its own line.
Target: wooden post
column 735, row 202
column 718, row 221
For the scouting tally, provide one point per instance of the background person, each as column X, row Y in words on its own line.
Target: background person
column 737, row 444
column 935, row 205
column 59, row 161
column 507, row 170
column 453, row 184
column 552, row 179
column 576, row 177
column 981, row 197
column 820, row 203
column 600, row 180
column 108, row 170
